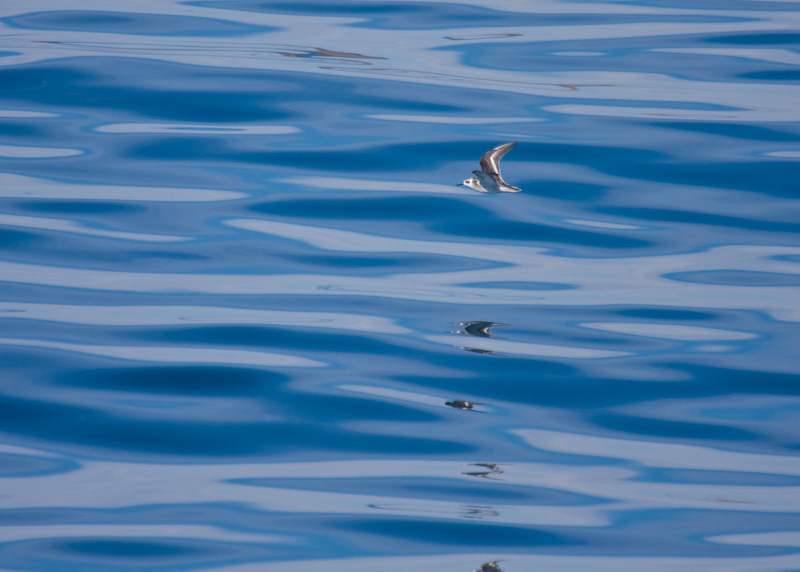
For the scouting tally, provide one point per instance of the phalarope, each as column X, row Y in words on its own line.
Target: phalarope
column 488, row 179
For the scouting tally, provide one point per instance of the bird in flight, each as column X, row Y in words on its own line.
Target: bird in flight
column 488, row 179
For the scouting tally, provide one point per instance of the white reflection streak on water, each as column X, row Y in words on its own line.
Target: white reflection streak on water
column 195, row 315
column 453, row 120
column 21, row 186
column 73, row 227
column 669, row 331
column 195, row 129
column 193, row 532
column 345, row 184
column 789, row 538
column 20, row 114
column 20, row 152
column 171, row 354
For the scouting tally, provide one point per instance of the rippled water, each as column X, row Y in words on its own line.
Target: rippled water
column 249, row 321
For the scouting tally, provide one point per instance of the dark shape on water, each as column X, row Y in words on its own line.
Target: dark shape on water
column 476, row 350
column 490, row 469
column 315, row 52
column 489, row 567
column 480, row 329
column 463, row 405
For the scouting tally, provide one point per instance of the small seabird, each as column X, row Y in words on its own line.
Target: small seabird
column 488, row 179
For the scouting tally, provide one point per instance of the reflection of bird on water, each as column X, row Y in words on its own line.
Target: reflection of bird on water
column 313, row 52
column 464, row 405
column 489, row 567
column 480, row 329
column 458, row 404
column 476, row 511
column 491, row 469
column 476, row 350
column 488, row 179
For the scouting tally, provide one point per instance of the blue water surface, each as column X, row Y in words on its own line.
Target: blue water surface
column 249, row 321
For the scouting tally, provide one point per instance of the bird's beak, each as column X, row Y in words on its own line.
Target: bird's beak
column 461, row 185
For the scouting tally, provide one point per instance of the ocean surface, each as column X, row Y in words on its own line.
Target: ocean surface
column 249, row 321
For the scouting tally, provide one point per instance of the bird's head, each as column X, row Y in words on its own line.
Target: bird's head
column 471, row 183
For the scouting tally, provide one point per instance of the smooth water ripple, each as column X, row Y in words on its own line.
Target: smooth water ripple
column 250, row 321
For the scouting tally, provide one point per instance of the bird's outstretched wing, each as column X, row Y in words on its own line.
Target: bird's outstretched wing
column 490, row 162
